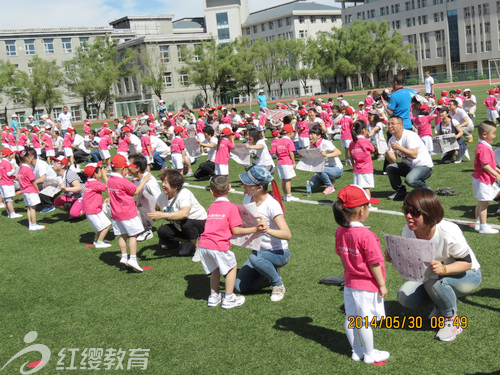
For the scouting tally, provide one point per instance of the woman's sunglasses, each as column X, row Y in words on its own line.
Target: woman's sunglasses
column 412, row 211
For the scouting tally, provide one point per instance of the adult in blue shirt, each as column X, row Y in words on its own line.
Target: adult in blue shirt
column 262, row 99
column 400, row 102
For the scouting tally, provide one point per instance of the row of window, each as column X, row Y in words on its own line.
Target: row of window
column 482, row 9
column 11, row 46
column 168, row 82
column 165, row 53
column 288, row 22
column 485, row 46
column 424, row 37
column 471, row 29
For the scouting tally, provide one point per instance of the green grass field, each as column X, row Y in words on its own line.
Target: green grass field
column 76, row 297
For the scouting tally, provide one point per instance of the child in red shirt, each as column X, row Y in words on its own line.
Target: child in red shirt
column 178, row 150
column 224, row 146
column 104, row 144
column 284, row 150
column 361, row 150
column 147, row 150
column 126, row 221
column 223, row 221
column 7, row 177
column 424, row 127
column 92, row 202
column 364, row 271
column 346, row 124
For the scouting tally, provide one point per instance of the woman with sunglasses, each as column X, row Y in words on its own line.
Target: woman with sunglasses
column 453, row 273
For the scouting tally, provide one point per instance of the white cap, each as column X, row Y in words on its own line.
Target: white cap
column 30, row 116
column 161, row 101
column 466, row 90
column 45, row 116
column 361, row 103
column 14, row 115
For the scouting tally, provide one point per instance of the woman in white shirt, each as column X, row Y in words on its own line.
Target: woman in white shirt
column 258, row 149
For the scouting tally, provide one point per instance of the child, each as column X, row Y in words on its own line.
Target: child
column 69, row 138
column 124, row 142
column 86, row 127
column 92, row 202
column 346, row 123
column 7, row 177
column 126, row 221
column 360, row 150
column 26, row 179
column 225, row 144
column 35, row 140
column 284, row 150
column 258, row 149
column 12, row 140
column 491, row 102
column 48, row 145
column 364, row 271
column 23, row 139
column 207, row 168
column 484, row 176
column 424, row 127
column 104, row 144
column 222, row 223
column 178, row 150
column 303, row 129
column 5, row 137
column 147, row 150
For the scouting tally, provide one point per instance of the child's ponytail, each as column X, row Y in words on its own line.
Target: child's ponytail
column 341, row 213
column 357, row 128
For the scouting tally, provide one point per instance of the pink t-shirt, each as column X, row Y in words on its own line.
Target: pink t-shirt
column 200, row 124
column 303, row 128
column 35, row 139
column 437, row 120
column 222, row 153
column 6, row 167
column 369, row 101
column 282, row 148
column 101, row 132
column 22, row 140
column 152, row 130
column 262, row 119
column 12, row 139
column 104, row 142
column 490, row 102
column 68, row 140
column 123, row 144
column 26, row 178
column 145, row 142
column 484, row 155
column 359, row 248
column 346, row 124
column 92, row 196
column 121, row 197
column 327, row 119
column 423, row 124
column 177, row 145
column 48, row 142
column 5, row 137
column 86, row 128
column 222, row 215
column 363, row 115
column 226, row 119
column 361, row 153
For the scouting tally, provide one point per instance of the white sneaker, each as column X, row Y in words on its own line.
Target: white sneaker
column 124, row 261
column 186, row 248
column 292, row 199
column 15, row 216
column 278, row 293
column 101, row 245
column 381, row 157
column 372, row 208
column 477, row 227
column 132, row 263
column 144, row 236
column 196, row 256
column 37, row 227
column 488, row 230
column 2, row 205
column 229, row 303
column 356, row 357
column 378, row 356
column 214, row 301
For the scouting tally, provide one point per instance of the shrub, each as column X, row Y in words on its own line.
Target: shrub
column 412, row 82
column 470, row 78
column 455, row 79
column 482, row 76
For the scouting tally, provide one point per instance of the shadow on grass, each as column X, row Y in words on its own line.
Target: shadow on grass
column 158, row 253
column 198, row 286
column 332, row 340
column 51, row 219
column 486, row 292
column 87, row 238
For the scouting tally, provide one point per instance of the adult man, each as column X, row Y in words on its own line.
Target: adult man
column 64, row 120
column 400, row 101
column 81, row 148
column 429, row 83
column 416, row 165
column 454, row 96
column 470, row 102
column 459, row 114
column 235, row 120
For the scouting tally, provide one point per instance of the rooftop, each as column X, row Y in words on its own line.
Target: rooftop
column 189, row 23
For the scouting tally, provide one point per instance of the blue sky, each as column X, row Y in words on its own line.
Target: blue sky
column 65, row 13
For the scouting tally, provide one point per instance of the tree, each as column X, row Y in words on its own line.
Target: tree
column 7, row 80
column 304, row 61
column 152, row 70
column 48, row 77
column 284, row 56
column 244, row 71
column 264, row 62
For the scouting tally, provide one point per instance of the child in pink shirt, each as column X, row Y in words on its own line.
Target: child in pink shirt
column 284, row 149
column 12, row 140
column 69, row 138
column 47, row 145
column 364, row 272
column 7, row 177
column 92, row 202
column 224, row 146
column 200, row 125
column 424, row 127
column 35, row 140
column 126, row 221
column 223, row 221
column 484, row 176
column 5, row 137
column 104, row 144
column 491, row 102
column 104, row 127
column 369, row 101
column 86, row 127
column 303, row 129
column 147, row 150
column 178, row 150
column 346, row 124
column 124, row 142
column 361, row 149
column 23, row 139
column 26, row 179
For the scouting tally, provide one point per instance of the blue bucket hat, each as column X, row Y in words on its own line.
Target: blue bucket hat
column 257, row 175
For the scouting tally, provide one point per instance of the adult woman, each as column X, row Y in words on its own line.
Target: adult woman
column 72, row 187
column 453, row 273
column 333, row 166
column 315, row 120
column 273, row 252
column 375, row 133
column 179, row 206
column 451, row 126
column 258, row 149
column 470, row 102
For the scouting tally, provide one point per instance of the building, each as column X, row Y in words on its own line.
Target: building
column 453, row 39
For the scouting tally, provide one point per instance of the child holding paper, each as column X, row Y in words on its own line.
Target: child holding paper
column 224, row 145
column 284, row 150
column 364, row 271
column 360, row 150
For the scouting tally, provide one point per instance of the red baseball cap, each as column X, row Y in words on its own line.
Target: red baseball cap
column 36, row 128
column 227, row 131
column 104, row 124
column 424, row 107
column 219, row 107
column 62, row 160
column 441, row 101
column 119, row 161
column 107, row 131
column 355, row 196
column 70, row 129
column 302, row 112
column 284, row 106
column 275, row 133
column 178, row 129
column 312, row 99
column 7, row 151
column 125, row 129
column 201, row 114
column 289, row 129
column 497, row 90
column 24, row 130
column 444, row 93
column 349, row 111
column 459, row 91
column 492, row 91
column 90, row 169
column 304, row 101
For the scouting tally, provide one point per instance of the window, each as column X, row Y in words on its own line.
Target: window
column 408, row 22
column 396, row 24
column 280, row 23
column 302, row 33
column 438, row 35
column 48, row 46
column 271, row 25
column 313, row 19
column 487, row 27
column 467, row 12
column 424, row 20
column 467, row 30
column 408, row 5
column 323, row 19
column 488, row 46
column 498, row 6
column 29, row 46
column 66, row 45
column 222, row 27
column 164, row 54
column 486, row 9
column 184, row 78
column 469, row 47
column 197, row 57
column 481, row 29
column 348, row 18
column 439, row 52
column 10, row 48
column 290, row 35
column 167, row 79
column 126, row 84
column 84, row 44
column 181, row 53
column 426, row 37
column 427, row 53
column 396, row 8
column 255, row 29
column 410, row 39
column 482, row 46
column 262, row 27
column 289, row 21
column 301, row 19
column 382, row 11
column 76, row 114
column 424, row 3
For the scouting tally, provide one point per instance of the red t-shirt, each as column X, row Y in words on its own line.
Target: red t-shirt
column 92, row 196
column 68, row 140
column 35, row 140
column 177, row 145
column 121, row 198
column 222, row 153
column 346, row 124
column 105, row 142
column 484, row 155
column 423, row 124
column 22, row 140
column 48, row 142
column 123, row 144
column 6, row 167
column 282, row 148
column 145, row 142
column 361, row 153
column 26, row 178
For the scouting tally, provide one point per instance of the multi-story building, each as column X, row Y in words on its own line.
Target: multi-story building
column 450, row 38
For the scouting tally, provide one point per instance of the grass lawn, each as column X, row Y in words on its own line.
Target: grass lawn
column 76, row 297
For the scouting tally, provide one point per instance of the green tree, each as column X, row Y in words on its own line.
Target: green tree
column 264, row 62
column 304, row 59
column 7, row 82
column 48, row 77
column 152, row 69
column 244, row 71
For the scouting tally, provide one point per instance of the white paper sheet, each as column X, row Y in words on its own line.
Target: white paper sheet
column 240, row 154
column 444, row 143
column 50, row 191
column 311, row 161
column 248, row 215
column 192, row 147
column 410, row 257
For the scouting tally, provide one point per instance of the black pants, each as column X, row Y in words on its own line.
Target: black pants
column 190, row 230
column 205, row 170
column 47, row 201
column 80, row 156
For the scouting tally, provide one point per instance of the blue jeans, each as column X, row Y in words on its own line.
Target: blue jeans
column 94, row 156
column 159, row 159
column 442, row 292
column 261, row 263
column 327, row 177
column 414, row 177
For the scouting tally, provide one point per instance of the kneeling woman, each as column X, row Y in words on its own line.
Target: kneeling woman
column 273, row 252
column 453, row 273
